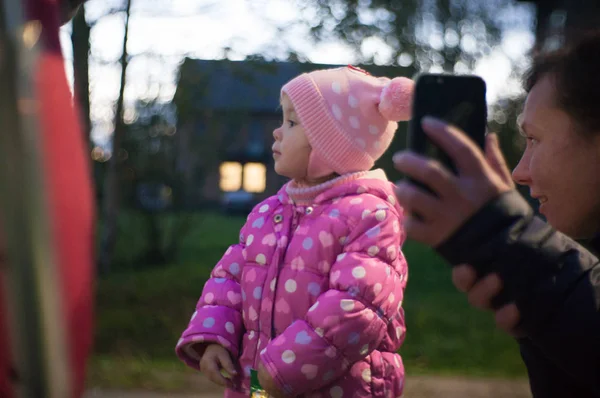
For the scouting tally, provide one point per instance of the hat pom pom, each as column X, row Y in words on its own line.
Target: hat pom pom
column 396, row 99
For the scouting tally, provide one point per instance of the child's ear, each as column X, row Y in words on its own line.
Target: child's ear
column 317, row 167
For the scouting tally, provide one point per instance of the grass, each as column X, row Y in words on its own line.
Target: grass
column 140, row 315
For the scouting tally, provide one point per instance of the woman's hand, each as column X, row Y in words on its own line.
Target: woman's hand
column 480, row 294
column 480, row 178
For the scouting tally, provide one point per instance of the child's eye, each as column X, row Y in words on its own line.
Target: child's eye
column 292, row 123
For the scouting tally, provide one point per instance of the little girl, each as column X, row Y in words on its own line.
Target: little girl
column 311, row 296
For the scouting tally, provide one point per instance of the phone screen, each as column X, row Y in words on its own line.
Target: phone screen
column 458, row 100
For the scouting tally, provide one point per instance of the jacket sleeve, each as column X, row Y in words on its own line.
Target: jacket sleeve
column 218, row 315
column 554, row 282
column 546, row 378
column 352, row 318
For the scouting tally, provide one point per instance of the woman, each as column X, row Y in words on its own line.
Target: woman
column 543, row 286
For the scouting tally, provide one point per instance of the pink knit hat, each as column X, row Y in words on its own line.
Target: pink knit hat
column 349, row 116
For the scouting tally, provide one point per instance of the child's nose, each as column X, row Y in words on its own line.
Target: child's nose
column 277, row 134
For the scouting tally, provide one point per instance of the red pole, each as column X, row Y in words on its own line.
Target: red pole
column 46, row 212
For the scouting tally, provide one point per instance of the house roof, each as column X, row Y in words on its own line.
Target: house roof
column 245, row 85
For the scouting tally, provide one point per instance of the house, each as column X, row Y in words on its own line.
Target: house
column 227, row 111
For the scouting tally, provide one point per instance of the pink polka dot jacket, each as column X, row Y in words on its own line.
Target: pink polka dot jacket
column 314, row 290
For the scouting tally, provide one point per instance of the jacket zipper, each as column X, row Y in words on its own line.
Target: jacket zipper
column 293, row 225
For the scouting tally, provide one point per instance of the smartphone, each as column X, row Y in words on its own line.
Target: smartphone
column 456, row 99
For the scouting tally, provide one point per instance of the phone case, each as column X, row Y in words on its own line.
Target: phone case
column 457, row 99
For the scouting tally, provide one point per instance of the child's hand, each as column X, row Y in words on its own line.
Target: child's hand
column 267, row 383
column 216, row 364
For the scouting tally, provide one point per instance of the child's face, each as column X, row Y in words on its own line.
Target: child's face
column 291, row 149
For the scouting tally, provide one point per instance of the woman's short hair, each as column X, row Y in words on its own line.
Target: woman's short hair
column 575, row 70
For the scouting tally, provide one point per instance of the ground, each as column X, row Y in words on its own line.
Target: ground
column 416, row 387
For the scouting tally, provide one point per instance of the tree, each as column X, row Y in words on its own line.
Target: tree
column 80, row 38
column 426, row 35
column 448, row 35
column 110, row 209
column 562, row 21
column 151, row 184
column 109, row 177
column 423, row 35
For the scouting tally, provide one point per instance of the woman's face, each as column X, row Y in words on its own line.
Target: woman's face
column 560, row 166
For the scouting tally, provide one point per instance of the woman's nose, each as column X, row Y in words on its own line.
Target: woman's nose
column 521, row 173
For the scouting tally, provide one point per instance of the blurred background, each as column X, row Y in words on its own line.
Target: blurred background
column 179, row 99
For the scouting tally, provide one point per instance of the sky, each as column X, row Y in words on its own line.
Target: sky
column 162, row 33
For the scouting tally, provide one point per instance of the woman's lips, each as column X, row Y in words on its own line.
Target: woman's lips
column 542, row 201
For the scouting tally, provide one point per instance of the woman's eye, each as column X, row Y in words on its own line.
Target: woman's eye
column 532, row 140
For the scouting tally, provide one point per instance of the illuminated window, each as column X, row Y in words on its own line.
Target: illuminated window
column 231, row 176
column 255, row 177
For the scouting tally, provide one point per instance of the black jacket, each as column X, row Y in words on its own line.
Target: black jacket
column 555, row 283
